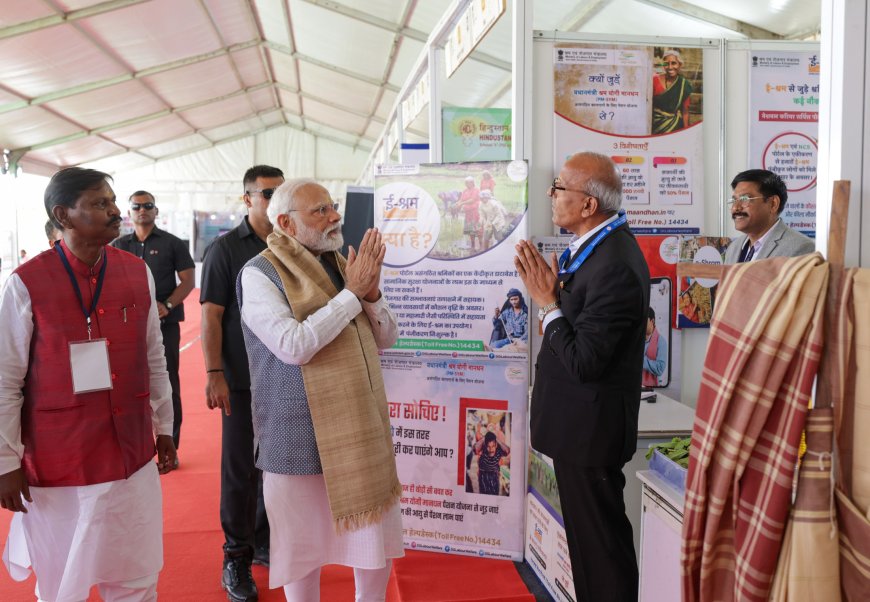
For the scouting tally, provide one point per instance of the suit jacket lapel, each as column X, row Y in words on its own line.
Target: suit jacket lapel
column 564, row 278
column 769, row 245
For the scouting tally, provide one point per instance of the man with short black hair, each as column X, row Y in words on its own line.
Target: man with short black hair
column 83, row 391
column 242, row 513
column 166, row 255
column 757, row 201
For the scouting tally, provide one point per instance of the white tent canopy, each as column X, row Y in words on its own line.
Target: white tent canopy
column 184, row 95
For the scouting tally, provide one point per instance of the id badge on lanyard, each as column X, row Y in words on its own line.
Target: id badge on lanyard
column 88, row 360
column 89, row 363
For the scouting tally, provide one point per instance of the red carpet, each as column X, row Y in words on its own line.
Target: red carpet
column 193, row 537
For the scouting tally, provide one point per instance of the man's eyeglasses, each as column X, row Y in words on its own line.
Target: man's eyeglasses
column 322, row 210
column 556, row 185
column 138, row 206
column 266, row 192
column 743, row 199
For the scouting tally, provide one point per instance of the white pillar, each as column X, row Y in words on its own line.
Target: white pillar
column 436, row 81
column 521, row 88
column 844, row 120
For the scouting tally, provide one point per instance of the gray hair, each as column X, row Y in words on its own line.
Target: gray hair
column 605, row 183
column 672, row 52
column 284, row 198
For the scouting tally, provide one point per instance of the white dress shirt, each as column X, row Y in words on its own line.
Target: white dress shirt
column 574, row 245
column 756, row 248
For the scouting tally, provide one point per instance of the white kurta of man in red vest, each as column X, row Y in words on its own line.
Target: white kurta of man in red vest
column 83, row 394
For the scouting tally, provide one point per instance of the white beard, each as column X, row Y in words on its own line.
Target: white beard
column 316, row 241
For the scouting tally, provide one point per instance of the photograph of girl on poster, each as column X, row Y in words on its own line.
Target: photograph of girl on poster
column 487, row 458
column 676, row 99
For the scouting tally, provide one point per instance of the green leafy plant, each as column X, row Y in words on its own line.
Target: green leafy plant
column 676, row 449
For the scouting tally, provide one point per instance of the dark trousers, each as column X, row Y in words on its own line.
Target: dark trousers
column 600, row 542
column 171, row 340
column 243, row 514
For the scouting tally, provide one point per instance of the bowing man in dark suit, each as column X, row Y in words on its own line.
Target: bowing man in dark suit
column 586, row 396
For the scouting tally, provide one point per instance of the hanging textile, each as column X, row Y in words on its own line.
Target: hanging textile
column 846, row 377
column 809, row 563
column 762, row 355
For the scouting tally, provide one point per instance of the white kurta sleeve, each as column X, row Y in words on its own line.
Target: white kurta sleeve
column 266, row 312
column 161, row 390
column 383, row 322
column 16, row 330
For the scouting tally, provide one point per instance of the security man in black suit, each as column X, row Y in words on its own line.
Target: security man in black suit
column 586, row 395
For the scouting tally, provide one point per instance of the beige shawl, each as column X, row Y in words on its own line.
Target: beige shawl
column 345, row 392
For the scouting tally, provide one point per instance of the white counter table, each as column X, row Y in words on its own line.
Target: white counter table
column 657, row 423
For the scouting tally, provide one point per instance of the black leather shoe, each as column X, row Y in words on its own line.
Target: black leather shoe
column 261, row 557
column 237, row 579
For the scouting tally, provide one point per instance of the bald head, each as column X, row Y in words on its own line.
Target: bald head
column 597, row 174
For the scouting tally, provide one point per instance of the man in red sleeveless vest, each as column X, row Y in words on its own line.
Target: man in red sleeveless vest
column 83, row 391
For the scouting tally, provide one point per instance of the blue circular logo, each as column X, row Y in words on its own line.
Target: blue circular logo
column 446, row 548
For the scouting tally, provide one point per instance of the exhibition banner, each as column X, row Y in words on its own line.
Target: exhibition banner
column 663, row 373
column 459, row 435
column 642, row 107
column 546, row 542
column 784, row 127
column 470, row 134
column 697, row 296
column 449, row 275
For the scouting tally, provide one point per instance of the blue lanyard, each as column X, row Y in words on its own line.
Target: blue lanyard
column 78, row 290
column 602, row 234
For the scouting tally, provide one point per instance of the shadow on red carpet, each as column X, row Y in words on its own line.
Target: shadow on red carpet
column 193, row 536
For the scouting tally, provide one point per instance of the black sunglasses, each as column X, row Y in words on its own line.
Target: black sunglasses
column 138, row 206
column 266, row 192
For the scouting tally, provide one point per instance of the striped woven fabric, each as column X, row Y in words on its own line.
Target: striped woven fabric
column 763, row 351
column 846, row 372
column 809, row 562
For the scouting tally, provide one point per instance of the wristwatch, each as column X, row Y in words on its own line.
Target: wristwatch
column 168, row 304
column 543, row 311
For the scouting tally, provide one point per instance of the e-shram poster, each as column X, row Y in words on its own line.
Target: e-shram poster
column 449, row 275
column 784, row 127
column 459, row 436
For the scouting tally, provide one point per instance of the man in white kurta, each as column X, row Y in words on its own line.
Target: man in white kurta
column 304, row 535
column 102, row 532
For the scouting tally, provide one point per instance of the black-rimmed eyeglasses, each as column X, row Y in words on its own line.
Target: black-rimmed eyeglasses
column 138, row 206
column 266, row 192
column 556, row 185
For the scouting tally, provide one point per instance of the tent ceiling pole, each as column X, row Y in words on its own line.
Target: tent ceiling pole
column 111, row 81
column 404, row 30
column 60, row 19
